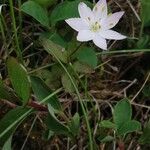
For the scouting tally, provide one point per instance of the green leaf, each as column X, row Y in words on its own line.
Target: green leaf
column 7, row 145
column 107, row 124
column 55, row 49
column 122, row 113
column 88, row 56
column 10, row 121
column 46, row 3
column 145, row 137
column 36, row 11
column 54, row 124
column 7, row 93
column 145, row 5
column 41, row 90
column 128, row 127
column 82, row 68
column 48, row 134
column 55, row 37
column 146, row 91
column 60, row 12
column 143, row 42
column 19, row 79
column 74, row 124
column 107, row 139
column 67, row 84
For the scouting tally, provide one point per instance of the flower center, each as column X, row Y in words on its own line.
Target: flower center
column 95, row 27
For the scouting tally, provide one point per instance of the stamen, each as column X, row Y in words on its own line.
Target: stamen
column 95, row 27
column 95, row 8
column 89, row 18
column 103, row 8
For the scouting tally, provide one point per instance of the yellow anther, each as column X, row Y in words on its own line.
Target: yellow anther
column 95, row 27
column 89, row 18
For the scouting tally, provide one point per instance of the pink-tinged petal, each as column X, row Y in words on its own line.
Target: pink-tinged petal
column 100, row 9
column 85, row 35
column 112, row 20
column 100, row 42
column 77, row 24
column 113, row 35
column 84, row 11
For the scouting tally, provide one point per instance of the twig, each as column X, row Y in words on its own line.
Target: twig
column 29, row 132
column 140, row 88
column 141, row 105
column 124, row 90
column 136, row 14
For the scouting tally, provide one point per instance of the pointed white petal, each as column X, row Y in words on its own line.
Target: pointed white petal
column 85, row 35
column 100, row 42
column 100, row 9
column 112, row 20
column 84, row 11
column 1, row 7
column 77, row 24
column 110, row 34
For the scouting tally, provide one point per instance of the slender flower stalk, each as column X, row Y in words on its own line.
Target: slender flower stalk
column 96, row 24
column 2, row 27
column 18, row 50
column 2, row 30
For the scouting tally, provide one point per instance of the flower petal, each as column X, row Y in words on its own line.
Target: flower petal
column 112, row 20
column 100, row 42
column 85, row 35
column 110, row 34
column 84, row 11
column 100, row 9
column 77, row 24
column 1, row 7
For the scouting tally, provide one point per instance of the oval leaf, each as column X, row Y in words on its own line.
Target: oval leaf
column 74, row 124
column 122, row 113
column 129, row 127
column 36, row 11
column 67, row 84
column 7, row 145
column 82, row 68
column 55, row 49
column 54, row 124
column 145, row 137
column 41, row 91
column 107, row 124
column 107, row 139
column 60, row 12
column 19, row 79
column 145, row 5
column 88, row 56
column 10, row 121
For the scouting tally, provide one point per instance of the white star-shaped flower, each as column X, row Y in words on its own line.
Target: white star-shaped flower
column 96, row 24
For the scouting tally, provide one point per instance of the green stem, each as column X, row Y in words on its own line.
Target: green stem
column 80, row 101
column 40, row 68
column 141, row 30
column 124, row 51
column 4, row 22
column 20, row 22
column 2, row 31
column 18, row 50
